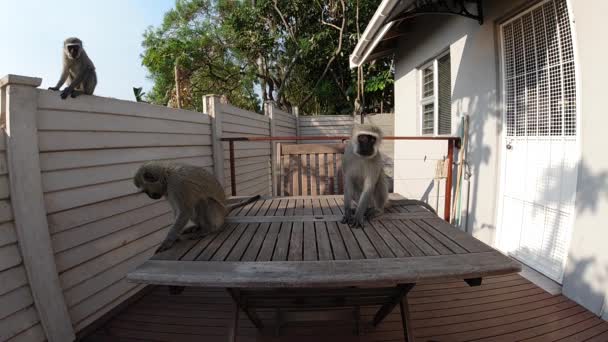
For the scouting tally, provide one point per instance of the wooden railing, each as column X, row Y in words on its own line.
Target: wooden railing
column 453, row 142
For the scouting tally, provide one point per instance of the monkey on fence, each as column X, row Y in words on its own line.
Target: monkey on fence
column 78, row 70
column 193, row 193
column 364, row 178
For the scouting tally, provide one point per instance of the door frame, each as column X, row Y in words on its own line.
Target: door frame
column 501, row 179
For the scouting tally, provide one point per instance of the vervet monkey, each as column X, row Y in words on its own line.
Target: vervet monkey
column 194, row 194
column 364, row 178
column 78, row 70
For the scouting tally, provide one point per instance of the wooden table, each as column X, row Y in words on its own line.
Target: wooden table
column 293, row 252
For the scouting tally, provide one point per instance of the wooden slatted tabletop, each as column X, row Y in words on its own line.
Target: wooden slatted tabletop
column 300, row 242
column 293, row 252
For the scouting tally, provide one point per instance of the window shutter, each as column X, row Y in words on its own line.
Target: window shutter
column 444, row 99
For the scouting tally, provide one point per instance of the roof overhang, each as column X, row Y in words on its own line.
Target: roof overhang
column 379, row 38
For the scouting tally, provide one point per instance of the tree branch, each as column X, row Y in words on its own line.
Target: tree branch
column 287, row 27
column 331, row 60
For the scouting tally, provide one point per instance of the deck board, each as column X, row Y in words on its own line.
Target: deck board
column 204, row 315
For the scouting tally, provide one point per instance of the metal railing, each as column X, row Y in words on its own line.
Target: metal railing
column 453, row 142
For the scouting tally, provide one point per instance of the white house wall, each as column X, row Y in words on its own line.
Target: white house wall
column 475, row 87
column 586, row 279
column 474, row 76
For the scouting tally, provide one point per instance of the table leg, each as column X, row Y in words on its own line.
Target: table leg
column 390, row 305
column 405, row 320
column 235, row 323
column 253, row 317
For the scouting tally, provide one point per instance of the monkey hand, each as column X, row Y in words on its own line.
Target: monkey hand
column 356, row 222
column 66, row 92
column 54, row 88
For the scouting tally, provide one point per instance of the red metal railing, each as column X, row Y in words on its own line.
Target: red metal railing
column 453, row 142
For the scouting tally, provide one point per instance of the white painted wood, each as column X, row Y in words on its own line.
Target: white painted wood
column 15, row 300
column 7, row 233
column 103, row 262
column 243, row 169
column 238, row 153
column 29, row 211
column 74, row 140
column 6, row 211
column 73, row 178
column 57, row 120
column 296, row 113
column 101, row 299
column 18, row 322
column 75, row 159
column 80, row 235
column 244, row 130
column 247, row 145
column 91, row 286
column 82, row 215
column 33, row 334
column 103, row 310
column 12, row 278
column 4, row 187
column 270, row 112
column 230, row 109
column 71, row 198
column 540, row 155
column 95, row 248
column 213, row 108
column 97, row 104
column 9, row 257
column 245, row 121
column 3, row 164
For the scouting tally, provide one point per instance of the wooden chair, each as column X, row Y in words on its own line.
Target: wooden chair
column 309, row 169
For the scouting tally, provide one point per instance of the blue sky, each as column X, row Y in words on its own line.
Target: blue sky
column 33, row 32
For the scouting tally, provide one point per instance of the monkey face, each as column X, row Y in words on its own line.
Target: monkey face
column 366, row 145
column 150, row 183
column 73, row 51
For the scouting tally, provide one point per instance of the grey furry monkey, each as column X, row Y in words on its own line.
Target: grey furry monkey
column 194, row 194
column 364, row 178
column 78, row 70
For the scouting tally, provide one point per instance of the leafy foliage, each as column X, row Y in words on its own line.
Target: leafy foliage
column 292, row 52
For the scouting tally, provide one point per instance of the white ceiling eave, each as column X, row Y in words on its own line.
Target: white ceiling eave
column 374, row 32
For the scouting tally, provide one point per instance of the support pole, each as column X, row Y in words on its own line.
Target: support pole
column 448, row 182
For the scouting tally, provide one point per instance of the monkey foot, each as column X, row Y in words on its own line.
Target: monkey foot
column 165, row 246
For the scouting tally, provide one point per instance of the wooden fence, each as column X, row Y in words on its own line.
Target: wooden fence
column 72, row 223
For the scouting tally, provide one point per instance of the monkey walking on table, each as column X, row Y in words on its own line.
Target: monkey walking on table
column 78, row 70
column 364, row 178
column 194, row 194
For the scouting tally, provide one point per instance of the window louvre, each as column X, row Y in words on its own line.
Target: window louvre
column 445, row 95
column 436, row 97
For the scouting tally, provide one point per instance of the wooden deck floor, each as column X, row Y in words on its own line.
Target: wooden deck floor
column 506, row 308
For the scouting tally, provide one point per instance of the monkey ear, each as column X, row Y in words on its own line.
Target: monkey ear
column 149, row 177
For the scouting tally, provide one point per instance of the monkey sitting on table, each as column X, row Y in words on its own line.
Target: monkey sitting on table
column 78, row 70
column 194, row 194
column 364, row 177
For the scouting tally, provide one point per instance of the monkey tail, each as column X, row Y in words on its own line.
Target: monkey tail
column 245, row 202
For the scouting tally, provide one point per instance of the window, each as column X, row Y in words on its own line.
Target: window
column 436, row 97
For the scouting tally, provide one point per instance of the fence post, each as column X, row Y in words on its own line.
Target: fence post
column 211, row 105
column 28, row 205
column 269, row 111
column 296, row 113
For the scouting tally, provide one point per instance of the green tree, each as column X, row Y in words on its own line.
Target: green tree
column 292, row 52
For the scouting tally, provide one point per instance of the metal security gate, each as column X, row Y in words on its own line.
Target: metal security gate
column 540, row 150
